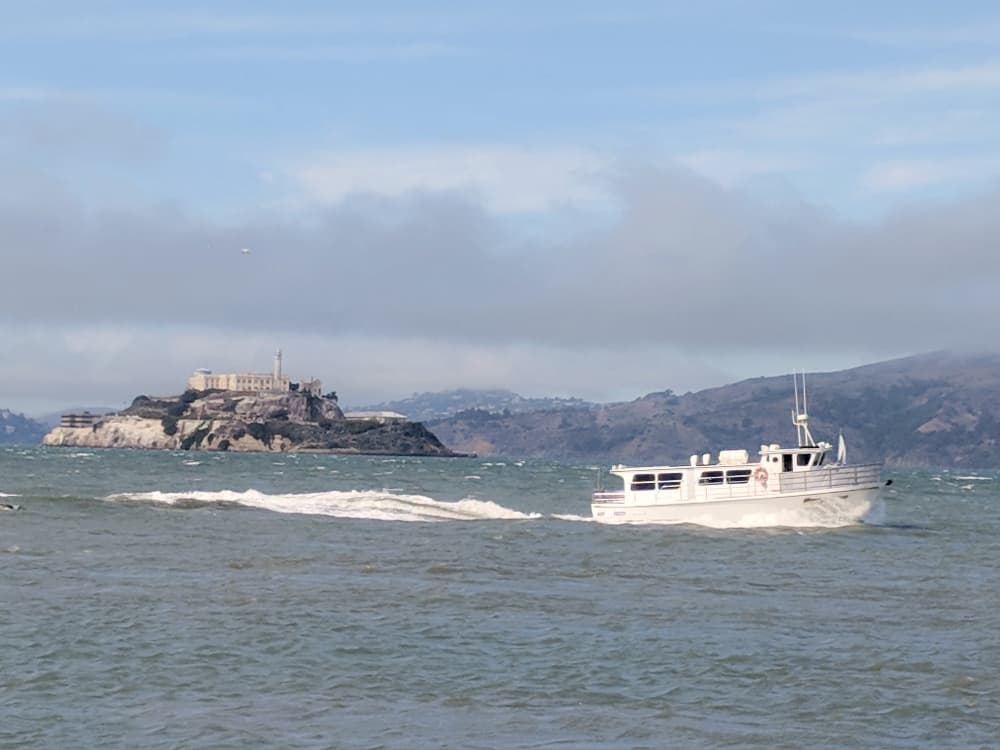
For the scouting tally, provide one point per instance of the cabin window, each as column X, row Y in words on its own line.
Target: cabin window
column 802, row 459
column 643, row 482
column 786, row 461
column 710, row 477
column 738, row 476
column 821, row 457
column 669, row 481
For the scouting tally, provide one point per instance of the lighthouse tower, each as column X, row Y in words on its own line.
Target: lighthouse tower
column 277, row 372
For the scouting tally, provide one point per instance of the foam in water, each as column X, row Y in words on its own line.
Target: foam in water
column 372, row 505
column 571, row 517
column 876, row 516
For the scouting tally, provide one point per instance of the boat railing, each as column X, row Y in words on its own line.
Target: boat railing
column 783, row 483
column 829, row 478
column 605, row 496
column 799, row 481
column 814, row 480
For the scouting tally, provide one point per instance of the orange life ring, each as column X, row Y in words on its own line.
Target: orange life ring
column 761, row 475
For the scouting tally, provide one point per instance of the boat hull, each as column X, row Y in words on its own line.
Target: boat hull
column 834, row 507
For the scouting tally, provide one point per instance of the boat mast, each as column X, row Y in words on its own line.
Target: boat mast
column 795, row 387
column 801, row 418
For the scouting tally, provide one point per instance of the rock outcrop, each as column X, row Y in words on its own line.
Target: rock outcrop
column 224, row 421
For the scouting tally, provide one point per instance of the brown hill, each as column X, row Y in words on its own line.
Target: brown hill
column 939, row 409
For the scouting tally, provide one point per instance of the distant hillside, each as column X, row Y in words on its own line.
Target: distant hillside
column 422, row 407
column 938, row 409
column 17, row 429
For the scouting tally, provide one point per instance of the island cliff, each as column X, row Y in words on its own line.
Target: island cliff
column 226, row 421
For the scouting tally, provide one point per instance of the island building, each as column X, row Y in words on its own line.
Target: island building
column 252, row 382
column 81, row 419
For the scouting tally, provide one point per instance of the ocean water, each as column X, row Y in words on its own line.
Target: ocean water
column 178, row 600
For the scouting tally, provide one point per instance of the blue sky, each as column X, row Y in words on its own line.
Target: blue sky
column 495, row 172
column 218, row 103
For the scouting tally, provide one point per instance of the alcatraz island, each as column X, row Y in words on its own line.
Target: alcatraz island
column 248, row 412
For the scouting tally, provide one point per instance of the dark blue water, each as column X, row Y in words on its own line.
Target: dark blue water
column 165, row 600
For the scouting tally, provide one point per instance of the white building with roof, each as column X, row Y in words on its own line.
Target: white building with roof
column 250, row 382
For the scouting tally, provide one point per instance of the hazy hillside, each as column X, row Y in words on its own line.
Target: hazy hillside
column 17, row 429
column 936, row 409
column 422, row 407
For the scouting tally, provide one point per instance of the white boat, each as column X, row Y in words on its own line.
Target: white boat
column 786, row 486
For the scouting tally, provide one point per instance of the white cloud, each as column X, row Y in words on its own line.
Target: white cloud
column 345, row 53
column 987, row 32
column 506, row 178
column 889, row 129
column 732, row 167
column 887, row 81
column 76, row 21
column 37, row 94
column 171, row 23
column 954, row 126
column 911, row 174
column 968, row 77
column 831, row 87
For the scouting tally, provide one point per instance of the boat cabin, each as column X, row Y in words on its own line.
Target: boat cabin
column 732, row 468
column 775, row 458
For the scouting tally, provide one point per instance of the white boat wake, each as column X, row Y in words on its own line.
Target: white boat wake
column 369, row 504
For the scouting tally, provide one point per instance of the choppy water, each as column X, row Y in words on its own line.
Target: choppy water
column 164, row 600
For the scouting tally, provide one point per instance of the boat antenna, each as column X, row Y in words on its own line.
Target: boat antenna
column 795, row 387
column 801, row 418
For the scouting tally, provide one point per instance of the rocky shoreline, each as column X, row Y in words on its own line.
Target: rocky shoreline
column 268, row 423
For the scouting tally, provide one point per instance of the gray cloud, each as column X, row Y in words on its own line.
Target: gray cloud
column 45, row 368
column 685, row 263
